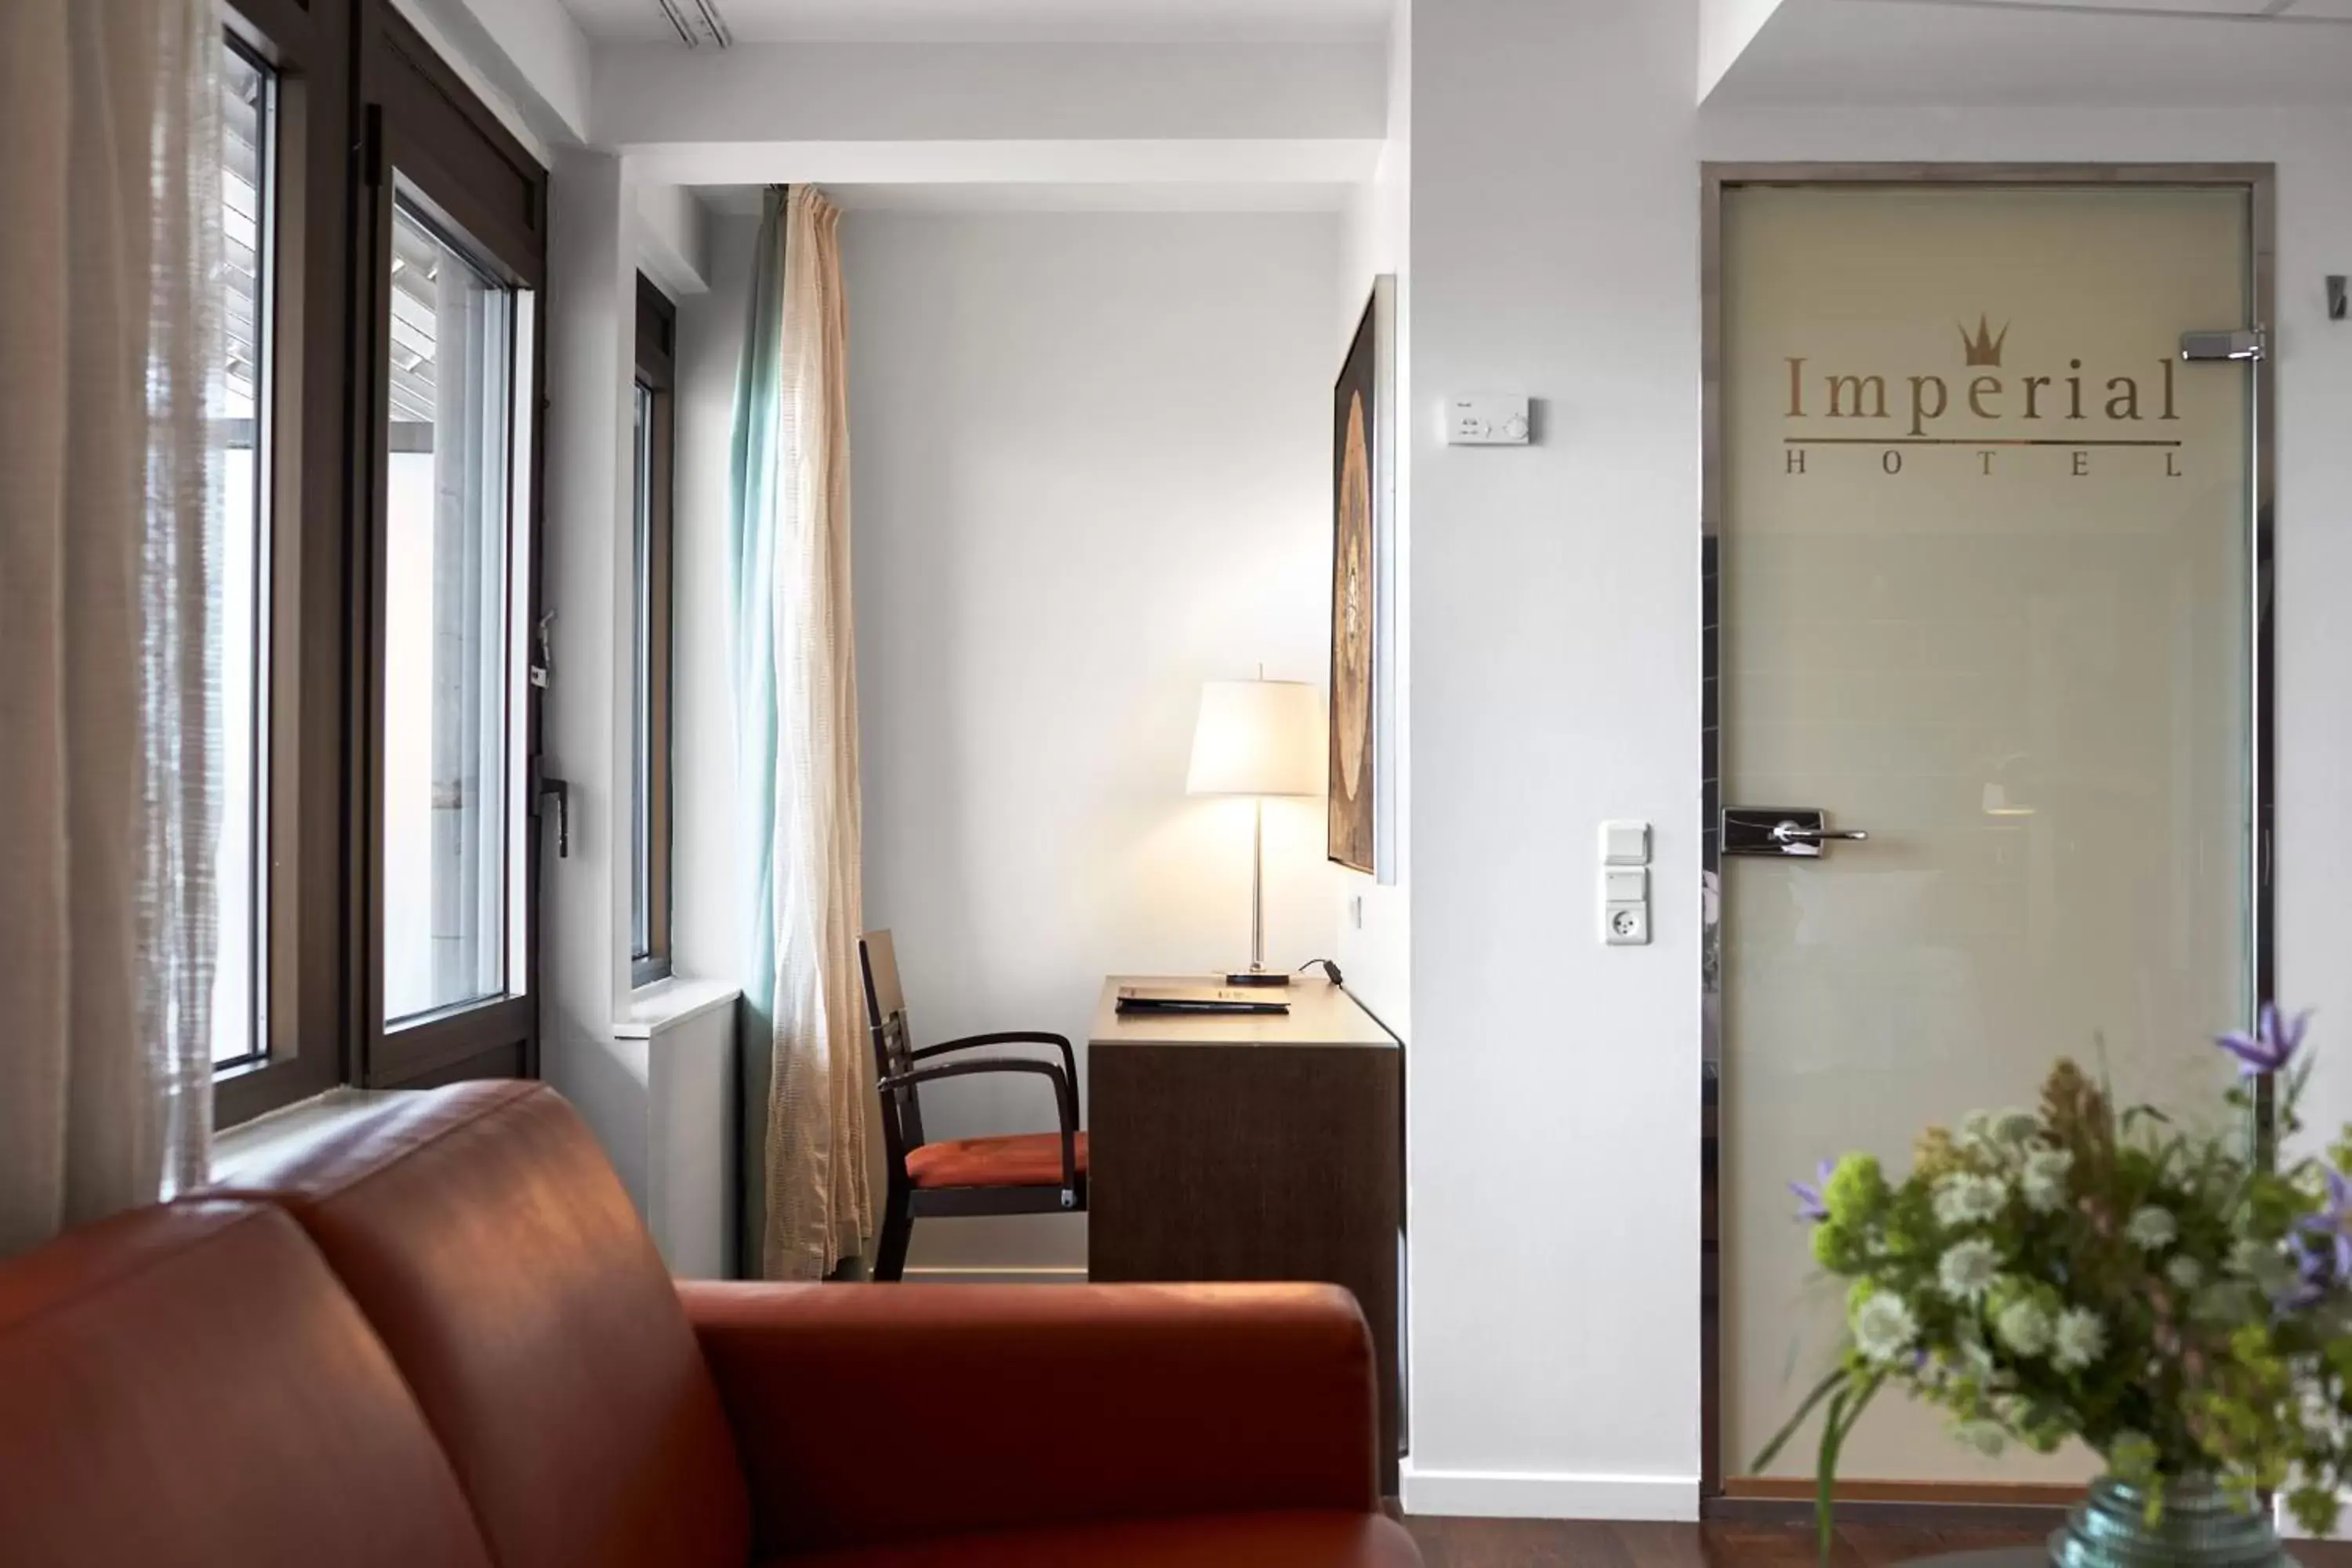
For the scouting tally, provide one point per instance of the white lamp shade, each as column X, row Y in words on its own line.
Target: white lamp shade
column 1258, row 737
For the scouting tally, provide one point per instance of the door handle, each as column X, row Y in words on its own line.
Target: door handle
column 1798, row 833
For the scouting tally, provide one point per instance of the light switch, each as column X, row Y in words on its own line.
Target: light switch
column 1625, row 887
column 1624, row 843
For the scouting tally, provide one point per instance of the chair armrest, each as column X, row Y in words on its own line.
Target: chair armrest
column 1065, row 1099
column 867, row 1413
column 1008, row 1037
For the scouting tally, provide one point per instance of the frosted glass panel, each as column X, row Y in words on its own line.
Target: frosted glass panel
column 1983, row 592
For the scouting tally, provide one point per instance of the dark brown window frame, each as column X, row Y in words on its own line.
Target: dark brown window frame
column 360, row 92
column 308, row 1045
column 657, row 375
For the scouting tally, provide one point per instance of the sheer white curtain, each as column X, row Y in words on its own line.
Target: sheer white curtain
column 796, row 694
column 108, row 181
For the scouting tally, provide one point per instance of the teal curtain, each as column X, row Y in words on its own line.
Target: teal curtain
column 752, row 496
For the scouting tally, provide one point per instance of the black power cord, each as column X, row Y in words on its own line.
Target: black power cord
column 1329, row 968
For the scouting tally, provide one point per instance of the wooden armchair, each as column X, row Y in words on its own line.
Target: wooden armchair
column 1030, row 1172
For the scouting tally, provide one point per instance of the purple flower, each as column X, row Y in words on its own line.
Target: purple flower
column 2270, row 1046
column 2326, row 1237
column 1809, row 1194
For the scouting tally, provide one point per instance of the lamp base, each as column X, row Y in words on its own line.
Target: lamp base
column 1258, row 977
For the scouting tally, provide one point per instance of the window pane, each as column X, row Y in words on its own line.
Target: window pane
column 641, row 739
column 446, row 660
column 240, row 399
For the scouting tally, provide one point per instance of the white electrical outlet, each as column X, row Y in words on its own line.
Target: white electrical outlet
column 1625, row 925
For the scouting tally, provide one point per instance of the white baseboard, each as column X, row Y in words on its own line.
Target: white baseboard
column 1507, row 1494
column 956, row 1274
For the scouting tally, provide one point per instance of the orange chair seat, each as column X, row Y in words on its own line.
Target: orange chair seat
column 1026, row 1160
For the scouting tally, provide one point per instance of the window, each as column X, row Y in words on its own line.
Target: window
column 453, row 244
column 242, row 424
column 449, row 632
column 650, row 706
column 373, row 411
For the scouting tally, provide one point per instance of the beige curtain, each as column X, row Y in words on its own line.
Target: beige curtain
column 819, row 1209
column 109, row 160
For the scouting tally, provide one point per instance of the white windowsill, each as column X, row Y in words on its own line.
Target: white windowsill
column 668, row 1002
column 265, row 1139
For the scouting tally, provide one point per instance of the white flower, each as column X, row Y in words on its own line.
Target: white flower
column 2080, row 1339
column 2151, row 1229
column 1975, row 1129
column 2023, row 1327
column 2185, row 1272
column 1985, row 1437
column 1966, row 1271
column 2044, row 1179
column 2015, row 1127
column 2272, row 1273
column 1965, row 1198
column 1884, row 1327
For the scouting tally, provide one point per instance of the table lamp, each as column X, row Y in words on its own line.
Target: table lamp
column 1257, row 738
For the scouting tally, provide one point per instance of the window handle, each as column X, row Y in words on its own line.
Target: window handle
column 559, row 791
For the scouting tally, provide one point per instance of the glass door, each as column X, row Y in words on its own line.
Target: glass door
column 1982, row 589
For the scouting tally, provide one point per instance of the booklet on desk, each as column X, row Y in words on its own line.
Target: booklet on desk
column 1196, row 999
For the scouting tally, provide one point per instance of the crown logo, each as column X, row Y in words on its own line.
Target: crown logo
column 1984, row 348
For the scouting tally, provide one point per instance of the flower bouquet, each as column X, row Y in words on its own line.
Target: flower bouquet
column 2080, row 1271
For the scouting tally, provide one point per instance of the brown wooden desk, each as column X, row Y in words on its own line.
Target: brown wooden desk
column 1253, row 1147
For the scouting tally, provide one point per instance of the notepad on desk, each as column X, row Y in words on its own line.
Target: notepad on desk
column 1196, row 999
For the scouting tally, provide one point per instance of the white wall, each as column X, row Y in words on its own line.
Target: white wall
column 591, row 358
column 1556, row 633
column 655, row 95
column 1089, row 471
column 1552, row 1090
column 708, row 904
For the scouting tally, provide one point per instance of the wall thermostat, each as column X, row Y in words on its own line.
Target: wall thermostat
column 1493, row 419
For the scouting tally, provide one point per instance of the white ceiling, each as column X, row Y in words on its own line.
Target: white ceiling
column 1053, row 197
column 2259, row 10
column 1002, row 21
column 2089, row 54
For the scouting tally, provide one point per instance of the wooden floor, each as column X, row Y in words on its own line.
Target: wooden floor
column 1543, row 1544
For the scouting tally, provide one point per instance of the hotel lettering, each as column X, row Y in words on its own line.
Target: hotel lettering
column 2067, row 418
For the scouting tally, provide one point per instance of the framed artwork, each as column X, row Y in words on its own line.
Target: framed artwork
column 1361, row 543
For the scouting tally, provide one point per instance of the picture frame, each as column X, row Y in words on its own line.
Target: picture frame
column 1359, row 813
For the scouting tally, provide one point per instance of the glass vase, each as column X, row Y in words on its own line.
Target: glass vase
column 2200, row 1528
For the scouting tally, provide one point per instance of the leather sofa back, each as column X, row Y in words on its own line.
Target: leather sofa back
column 491, row 1247
column 189, row 1387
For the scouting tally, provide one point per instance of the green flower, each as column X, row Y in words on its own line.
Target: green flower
column 2185, row 1272
column 1834, row 1247
column 1856, row 1190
